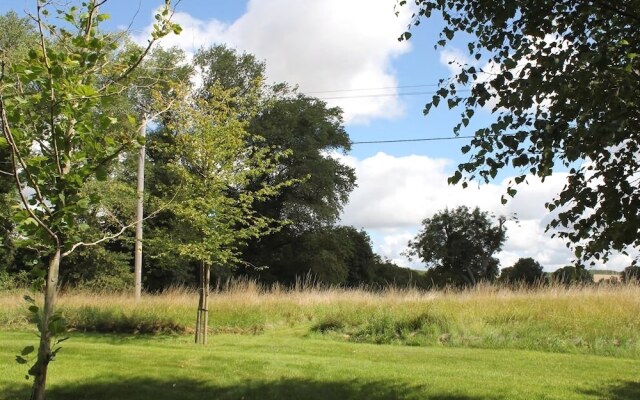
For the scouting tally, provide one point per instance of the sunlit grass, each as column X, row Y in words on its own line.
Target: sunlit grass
column 591, row 319
column 281, row 365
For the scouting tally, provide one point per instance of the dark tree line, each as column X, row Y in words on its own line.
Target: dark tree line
column 304, row 239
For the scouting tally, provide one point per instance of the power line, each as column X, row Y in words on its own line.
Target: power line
column 366, row 89
column 414, row 140
column 384, row 95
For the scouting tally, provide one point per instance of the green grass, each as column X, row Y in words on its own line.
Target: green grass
column 597, row 320
column 288, row 364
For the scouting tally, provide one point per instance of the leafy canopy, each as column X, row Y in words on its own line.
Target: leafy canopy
column 524, row 271
column 459, row 245
column 561, row 78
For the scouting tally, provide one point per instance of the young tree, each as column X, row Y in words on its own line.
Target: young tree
column 561, row 78
column 213, row 209
column 52, row 121
column 459, row 244
column 287, row 121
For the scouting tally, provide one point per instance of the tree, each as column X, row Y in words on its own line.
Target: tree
column 525, row 271
column 16, row 37
column 52, row 121
column 631, row 274
column 458, row 246
column 561, row 79
column 572, row 275
column 309, row 130
column 213, row 208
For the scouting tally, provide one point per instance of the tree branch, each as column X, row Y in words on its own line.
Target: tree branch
column 15, row 154
column 148, row 48
column 93, row 8
column 121, row 231
column 16, row 176
column 608, row 6
column 52, row 95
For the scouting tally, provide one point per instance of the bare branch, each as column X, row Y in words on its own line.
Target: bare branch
column 121, row 231
column 15, row 156
column 52, row 94
column 146, row 50
column 16, row 176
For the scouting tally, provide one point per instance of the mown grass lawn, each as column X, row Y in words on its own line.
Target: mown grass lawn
column 290, row 364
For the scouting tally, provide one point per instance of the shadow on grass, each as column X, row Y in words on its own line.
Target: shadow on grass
column 622, row 390
column 185, row 389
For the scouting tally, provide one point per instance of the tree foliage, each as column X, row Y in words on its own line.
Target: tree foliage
column 309, row 129
column 458, row 246
column 561, row 80
column 631, row 274
column 525, row 271
column 572, row 275
column 53, row 117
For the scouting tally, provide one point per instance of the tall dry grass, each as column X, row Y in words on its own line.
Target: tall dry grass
column 593, row 319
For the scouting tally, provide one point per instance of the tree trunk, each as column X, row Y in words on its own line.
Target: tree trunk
column 140, row 213
column 39, row 370
column 202, row 318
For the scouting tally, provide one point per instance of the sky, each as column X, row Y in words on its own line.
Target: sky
column 346, row 52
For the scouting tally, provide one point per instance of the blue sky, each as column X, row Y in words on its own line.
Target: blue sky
column 347, row 48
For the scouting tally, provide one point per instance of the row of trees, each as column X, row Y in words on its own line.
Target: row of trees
column 237, row 178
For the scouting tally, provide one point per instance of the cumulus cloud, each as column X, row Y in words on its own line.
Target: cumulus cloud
column 320, row 46
column 395, row 194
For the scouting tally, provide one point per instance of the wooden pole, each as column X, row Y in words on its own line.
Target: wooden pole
column 140, row 213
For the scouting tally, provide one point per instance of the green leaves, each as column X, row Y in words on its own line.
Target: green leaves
column 563, row 88
column 27, row 350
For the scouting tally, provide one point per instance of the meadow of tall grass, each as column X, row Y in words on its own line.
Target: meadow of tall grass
column 603, row 320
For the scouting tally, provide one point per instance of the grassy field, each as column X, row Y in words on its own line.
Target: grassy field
column 487, row 343
column 284, row 364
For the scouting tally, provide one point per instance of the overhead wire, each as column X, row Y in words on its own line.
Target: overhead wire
column 378, row 88
column 414, row 140
column 373, row 95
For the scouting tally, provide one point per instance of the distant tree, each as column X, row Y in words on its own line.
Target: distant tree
column 561, row 79
column 630, row 274
column 572, row 275
column 458, row 246
column 310, row 130
column 525, row 271
column 385, row 274
column 279, row 120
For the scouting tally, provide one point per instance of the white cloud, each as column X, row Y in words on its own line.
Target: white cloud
column 320, row 45
column 454, row 59
column 395, row 194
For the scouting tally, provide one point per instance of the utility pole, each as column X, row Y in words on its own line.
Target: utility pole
column 140, row 211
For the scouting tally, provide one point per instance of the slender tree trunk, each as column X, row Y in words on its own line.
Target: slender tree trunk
column 202, row 318
column 140, row 213
column 200, row 305
column 39, row 370
column 205, row 325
